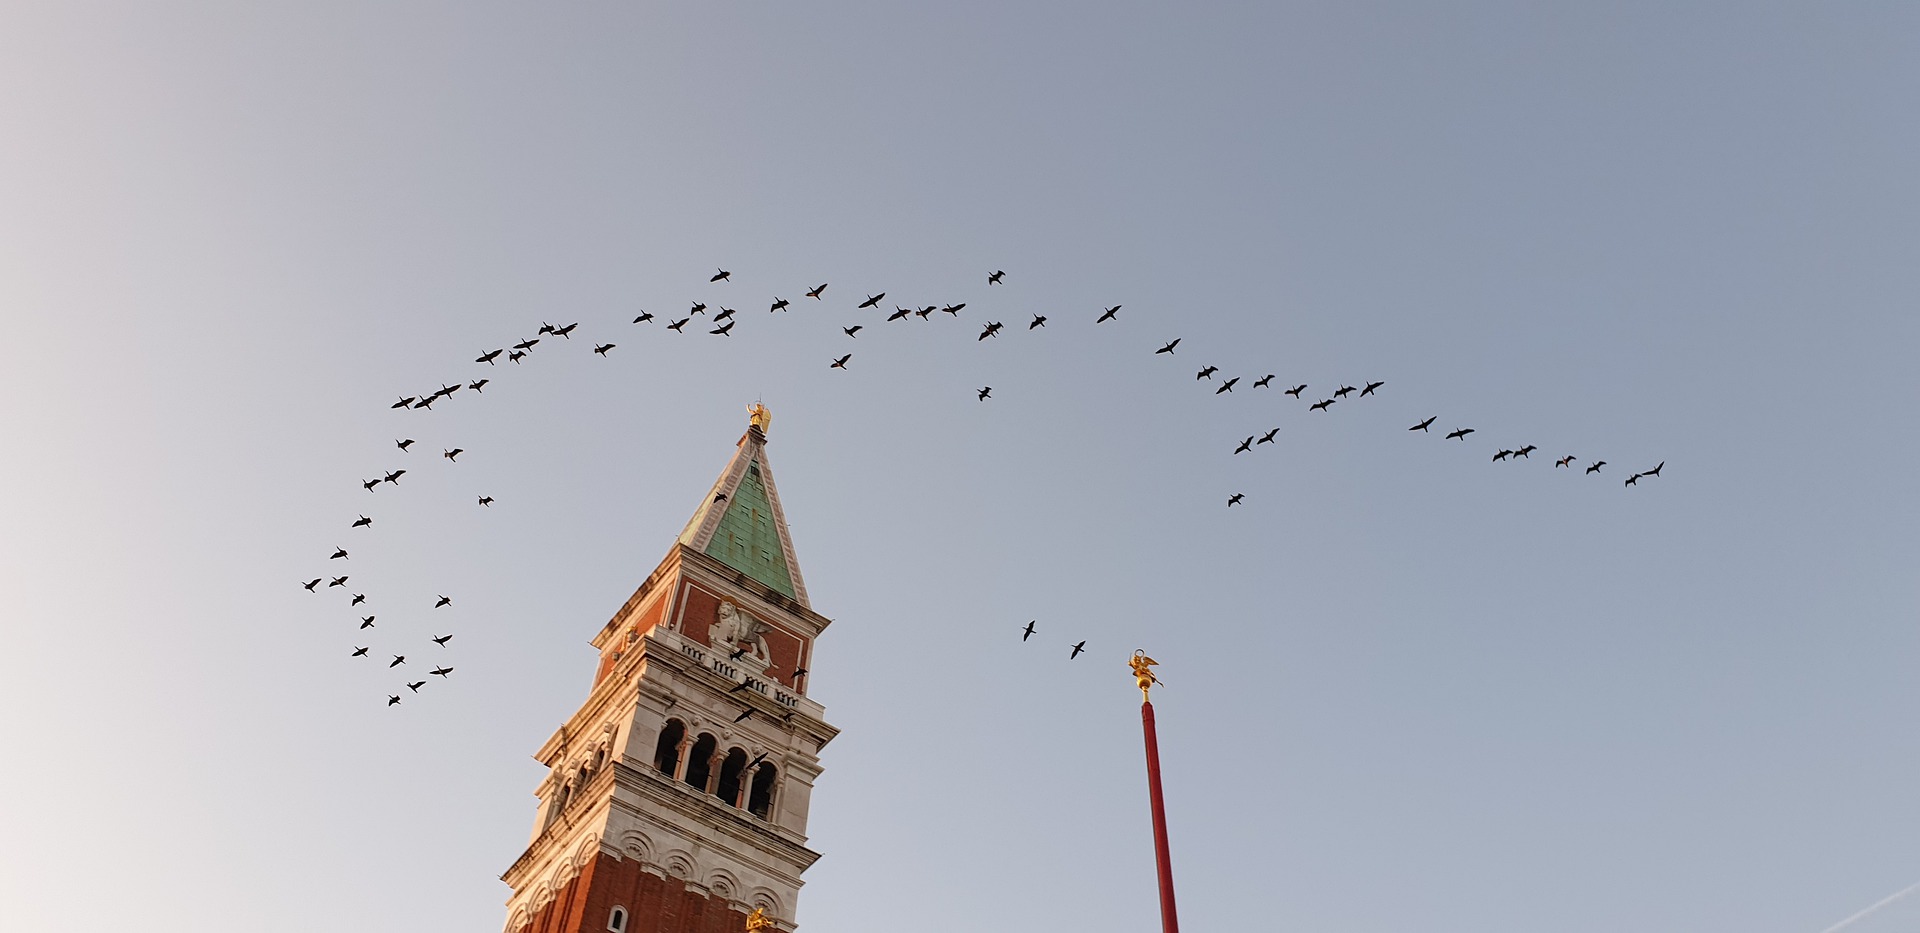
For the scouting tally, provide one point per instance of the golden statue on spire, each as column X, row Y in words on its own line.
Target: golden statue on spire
column 758, row 921
column 1143, row 673
column 759, row 417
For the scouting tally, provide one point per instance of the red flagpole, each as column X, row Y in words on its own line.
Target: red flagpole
column 1163, row 861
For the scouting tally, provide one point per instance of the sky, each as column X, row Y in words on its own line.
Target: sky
column 1407, row 688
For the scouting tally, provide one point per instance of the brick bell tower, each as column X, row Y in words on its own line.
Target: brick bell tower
column 676, row 800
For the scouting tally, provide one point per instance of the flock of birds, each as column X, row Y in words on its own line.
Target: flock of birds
column 721, row 321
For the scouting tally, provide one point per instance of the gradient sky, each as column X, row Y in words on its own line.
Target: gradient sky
column 1407, row 689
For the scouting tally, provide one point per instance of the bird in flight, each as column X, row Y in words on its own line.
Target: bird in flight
column 1077, row 648
column 337, row 581
column 486, row 501
column 416, row 685
column 743, row 685
column 743, row 716
column 1267, row 438
column 779, row 304
column 1206, row 373
column 1296, row 390
column 442, row 640
column 985, row 391
column 358, row 652
column 369, row 484
column 1597, row 464
column 392, row 700
column 1656, row 470
column 1633, row 480
column 1343, row 392
column 603, row 348
column 1039, row 320
column 853, row 331
column 644, row 317
column 927, row 311
column 566, row 331
column 676, row 325
column 873, row 300
column 1245, row 445
column 1028, row 632
column 722, row 276
column 444, row 601
column 442, row 671
column 1459, row 434
column 954, row 309
column 358, row 598
column 699, row 307
column 1370, row 387
column 398, row 660
column 453, row 454
column 814, row 293
column 899, row 313
column 367, row 621
column 992, row 330
column 1502, row 455
column 1234, row 499
column 1322, row 405
column 338, row 554
column 477, row 386
column 1565, row 461
column 403, row 403
column 1263, row 381
column 723, row 330
column 1169, row 347
column 516, row 356
column 310, row 584
column 725, row 312
column 1108, row 315
column 403, row 444
column 394, row 477
column 426, row 401
column 363, row 521
column 489, row 357
column 1526, row 451
column 526, row 344
column 1226, row 386
column 840, row 363
column 993, row 278
column 545, row 328
column 798, row 673
column 1424, row 425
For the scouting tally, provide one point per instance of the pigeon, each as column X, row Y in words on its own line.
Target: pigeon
column 486, row 501
column 1370, row 387
column 984, row 392
column 1234, row 499
column 337, row 581
column 873, row 300
column 1028, row 633
column 1459, row 434
column 444, row 601
column 779, row 304
column 1424, row 425
column 798, row 673
column 1206, row 373
column 603, row 348
column 814, row 293
column 1107, row 315
column 723, row 330
column 840, row 363
column 1656, row 470
column 1245, row 445
column 477, row 386
column 489, row 356
column 364, row 521
column 722, row 276
column 677, row 325
column 367, row 621
column 453, row 454
column 404, row 444
column 1039, row 320
column 993, row 278
column 743, row 685
column 1267, row 438
column 719, row 497
column 644, row 317
column 1263, row 381
column 1077, row 648
column 310, row 584
column 339, row 553
column 442, row 671
column 853, row 331
column 393, row 700
column 416, row 685
column 1597, row 464
column 359, row 652
column 404, row 402
column 1296, row 390
column 927, row 311
column 1226, row 386
column 1169, row 347
column 442, row 640
column 398, row 660
column 1322, row 405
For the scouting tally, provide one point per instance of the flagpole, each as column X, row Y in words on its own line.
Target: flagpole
column 1144, row 676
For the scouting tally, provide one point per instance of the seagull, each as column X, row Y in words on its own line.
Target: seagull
column 1028, row 632
column 993, row 329
column 310, row 584
column 993, row 278
column 404, row 444
column 779, row 304
column 1322, row 405
column 1459, row 434
column 676, row 325
column 1206, row 373
column 1077, row 648
column 1267, row 438
column 985, row 391
column 1108, row 315
column 873, row 300
column 515, row 356
column 1526, row 451
column 416, row 685
column 358, row 598
column 337, row 581
column 1370, row 387
column 394, row 477
column 1656, row 470
column 444, row 601
column 699, row 307
column 853, row 331
column 442, row 671
column 392, row 700
column 899, row 313
column 1262, row 382
column 725, row 312
column 398, row 660
column 1424, row 425
column 486, row 501
column 1343, row 392
column 723, row 329
column 954, row 309
column 1296, row 390
column 1245, row 445
column 1565, row 461
column 367, row 621
column 453, row 454
column 603, row 348
column 477, row 386
column 1597, row 464
column 489, row 356
column 338, row 553
column 526, row 344
column 840, row 363
column 1226, row 386
column 369, row 484
column 1234, row 499
column 722, row 276
column 358, row 652
column 442, row 640
column 1169, row 347
column 1039, row 320
column 363, row 521
column 644, row 317
column 1633, row 480
column 403, row 403
column 814, row 293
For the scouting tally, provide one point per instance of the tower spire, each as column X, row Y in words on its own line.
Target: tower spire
column 741, row 522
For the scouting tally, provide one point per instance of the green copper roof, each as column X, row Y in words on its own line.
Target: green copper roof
column 746, row 539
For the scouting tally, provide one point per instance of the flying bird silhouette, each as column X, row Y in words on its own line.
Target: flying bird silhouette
column 1322, row 405
column 394, row 477
column 1296, row 390
column 1226, row 386
column 1565, row 461
column 404, row 444
column 416, row 685
column 369, row 484
column 403, row 403
column 516, row 356
column 814, row 293
column 723, row 330
column 1028, row 632
column 840, row 363
column 566, row 331
column 1597, row 464
column 779, row 304
column 1370, row 387
column 1267, row 438
column 1262, row 382
column 338, row 554
column 1077, row 648
column 1343, row 392
column 644, row 317
column 358, row 598
column 743, row 716
column 1234, row 499
column 1633, row 480
column 1169, row 347
column 486, row 501
column 310, row 584
column 677, row 325
column 873, row 300
column 442, row 640
column 363, row 521
column 725, row 312
column 699, row 307
column 1107, row 315
column 453, row 454
column 899, row 313
column 954, row 309
column 985, row 391
column 1502, row 455
column 722, row 276
column 393, row 700
column 337, row 581
column 603, row 348
column 526, row 344
column 1656, row 470
column 1424, row 425
column 366, row 621
column 1039, row 320
column 1459, row 434
column 993, row 278
column 1206, row 373
column 489, row 356
column 992, row 330
column 358, row 652
column 442, row 671
column 477, row 386
column 1245, row 445
column 444, row 601
column 398, row 660
column 1526, row 451
column 853, row 331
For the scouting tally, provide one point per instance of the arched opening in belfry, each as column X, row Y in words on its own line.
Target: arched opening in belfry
column 729, row 788
column 666, row 753
column 700, row 762
column 760, row 798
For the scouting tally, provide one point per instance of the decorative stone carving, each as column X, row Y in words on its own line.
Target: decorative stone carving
column 737, row 629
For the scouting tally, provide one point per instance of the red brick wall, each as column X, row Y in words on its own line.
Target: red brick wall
column 654, row 904
column 786, row 650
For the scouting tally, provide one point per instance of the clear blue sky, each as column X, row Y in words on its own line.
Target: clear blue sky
column 1408, row 689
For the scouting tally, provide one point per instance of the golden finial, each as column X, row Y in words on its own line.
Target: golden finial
column 758, row 920
column 759, row 417
column 1143, row 672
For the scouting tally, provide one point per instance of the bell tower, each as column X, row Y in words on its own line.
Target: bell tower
column 676, row 797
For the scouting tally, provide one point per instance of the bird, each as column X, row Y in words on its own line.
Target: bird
column 1565, row 461
column 363, row 521
column 393, row 700
column 1343, row 392
column 310, row 584
column 1296, row 390
column 927, row 311
column 899, row 313
column 699, row 307
column 1039, row 320
column 743, row 716
column 644, row 317
column 1267, row 438
column 403, row 403
column 840, row 363
column 1597, row 464
column 1077, row 648
column 853, row 331
column 814, row 293
column 426, row 401
column 1226, row 386
column 339, row 553
column 358, row 652
column 719, row 497
column 367, row 621
column 779, row 304
column 1424, row 425
column 477, row 386
column 1262, row 382
column 337, row 581
column 1656, row 470
column 873, row 300
column 1502, row 455
column 416, row 685
column 526, row 344
column 992, row 329
column 515, row 356
column 984, row 392
column 489, row 356
column 404, row 444
column 448, row 390
column 442, row 640
column 358, row 598
column 1206, row 373
column 603, row 348
column 453, row 454
column 1370, row 387
column 369, row 484
column 722, row 276
column 1028, row 631
column 1321, row 405
column 1245, row 445
column 398, row 660
column 743, row 685
column 725, row 312
column 394, row 477
column 1633, row 480
column 738, row 653
column 486, row 501
column 993, row 278
column 444, row 601
column 1234, row 499
column 1107, row 315
column 1459, row 434
column 442, row 671
column 798, row 673
column 1169, row 347
column 676, row 325
column 545, row 328
column 954, row 309
column 1526, row 451
column 723, row 330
